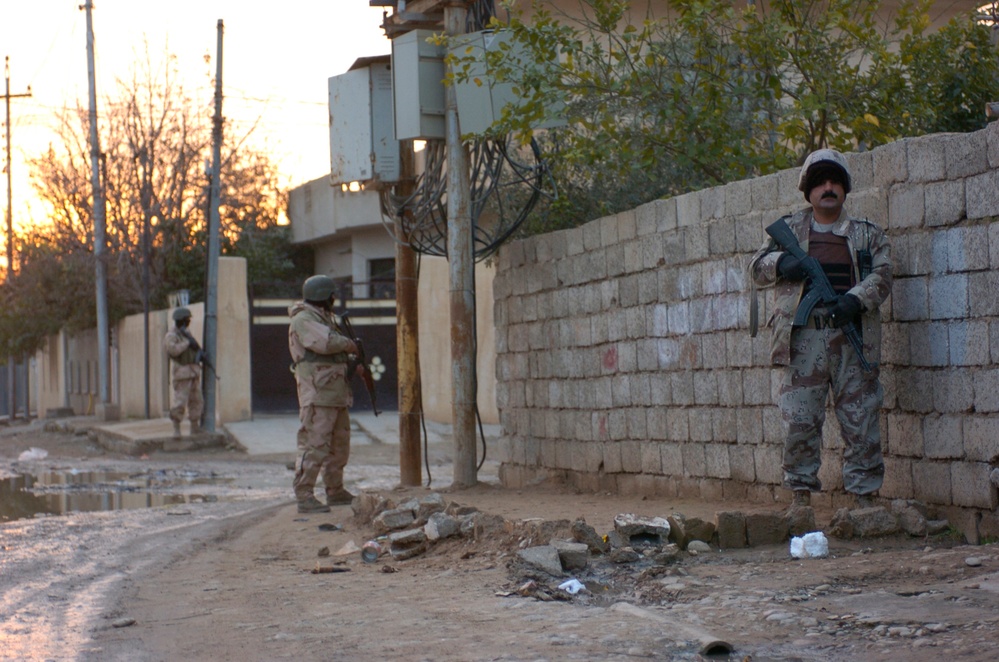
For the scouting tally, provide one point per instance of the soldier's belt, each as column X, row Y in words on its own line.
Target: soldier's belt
column 312, row 357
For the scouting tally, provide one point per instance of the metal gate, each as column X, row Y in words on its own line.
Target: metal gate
column 273, row 385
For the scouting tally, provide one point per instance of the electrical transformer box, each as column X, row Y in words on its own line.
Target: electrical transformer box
column 481, row 98
column 363, row 146
column 418, row 86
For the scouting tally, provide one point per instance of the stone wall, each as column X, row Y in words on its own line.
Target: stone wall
column 624, row 361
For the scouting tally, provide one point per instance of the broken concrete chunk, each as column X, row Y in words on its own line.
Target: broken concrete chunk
column 634, row 528
column 731, row 527
column 430, row 504
column 441, row 525
column 800, row 520
column 873, row 522
column 543, row 557
column 765, row 529
column 367, row 506
column 624, row 555
column 407, row 538
column 574, row 555
column 586, row 534
column 392, row 520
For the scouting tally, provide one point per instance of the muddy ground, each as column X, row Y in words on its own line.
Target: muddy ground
column 214, row 563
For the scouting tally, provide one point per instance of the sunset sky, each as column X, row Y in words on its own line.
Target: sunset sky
column 277, row 57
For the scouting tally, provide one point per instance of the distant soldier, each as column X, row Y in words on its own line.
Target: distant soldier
column 185, row 353
column 322, row 357
column 855, row 256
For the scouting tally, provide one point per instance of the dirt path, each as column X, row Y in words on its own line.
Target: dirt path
column 230, row 580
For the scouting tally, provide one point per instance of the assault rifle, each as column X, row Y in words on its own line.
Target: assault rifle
column 819, row 291
column 362, row 360
column 202, row 355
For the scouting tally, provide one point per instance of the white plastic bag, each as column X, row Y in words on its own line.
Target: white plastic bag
column 810, row 546
column 33, row 454
column 572, row 587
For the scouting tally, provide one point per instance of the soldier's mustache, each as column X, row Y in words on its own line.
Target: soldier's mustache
column 829, row 194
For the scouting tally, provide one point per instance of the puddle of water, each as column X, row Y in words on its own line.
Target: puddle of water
column 61, row 492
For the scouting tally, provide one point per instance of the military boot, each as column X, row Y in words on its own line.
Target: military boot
column 195, row 427
column 312, row 505
column 176, row 429
column 340, row 497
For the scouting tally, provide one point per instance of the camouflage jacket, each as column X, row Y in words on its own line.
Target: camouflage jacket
column 860, row 235
column 185, row 357
column 318, row 350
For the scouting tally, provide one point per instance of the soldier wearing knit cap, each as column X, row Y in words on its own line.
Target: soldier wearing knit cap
column 816, row 357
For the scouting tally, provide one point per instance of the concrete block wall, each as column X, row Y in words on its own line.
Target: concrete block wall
column 624, row 360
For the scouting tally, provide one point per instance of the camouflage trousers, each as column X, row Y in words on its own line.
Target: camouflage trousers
column 824, row 361
column 187, row 395
column 323, row 449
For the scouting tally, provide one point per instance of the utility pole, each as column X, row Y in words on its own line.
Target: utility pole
column 461, row 263
column 211, row 295
column 100, row 240
column 407, row 332
column 11, row 363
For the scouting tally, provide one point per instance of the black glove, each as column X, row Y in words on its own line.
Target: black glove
column 193, row 343
column 844, row 310
column 789, row 267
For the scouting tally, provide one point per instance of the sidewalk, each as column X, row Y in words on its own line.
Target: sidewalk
column 265, row 434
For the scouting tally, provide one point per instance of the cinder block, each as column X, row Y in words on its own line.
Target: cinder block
column 966, row 341
column 953, row 391
column 688, row 209
column 898, row 479
column 966, row 154
column 982, row 288
column 665, row 215
column 671, row 458
column 948, row 296
column 724, row 424
column 944, row 203
column 741, row 463
column 712, row 203
column 890, row 165
column 910, row 299
column 731, row 529
column 981, row 439
column 700, row 424
column 971, row 485
column 716, row 461
column 906, row 206
column 750, row 430
column 982, row 193
column 905, row 435
column 612, row 457
column 738, row 198
column 942, row 438
column 927, row 159
column 631, row 456
column 693, row 460
column 765, row 195
column 767, row 463
column 765, row 529
column 651, row 458
column 931, row 482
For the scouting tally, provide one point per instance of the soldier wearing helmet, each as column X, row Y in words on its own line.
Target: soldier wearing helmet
column 185, row 354
column 321, row 356
column 856, row 257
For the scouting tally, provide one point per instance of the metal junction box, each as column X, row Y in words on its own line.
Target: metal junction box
column 480, row 98
column 362, row 144
column 418, row 86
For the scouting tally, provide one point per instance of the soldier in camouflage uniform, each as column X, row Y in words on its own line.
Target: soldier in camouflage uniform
column 856, row 257
column 322, row 355
column 184, row 350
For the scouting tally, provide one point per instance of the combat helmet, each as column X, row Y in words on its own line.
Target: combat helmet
column 181, row 314
column 318, row 288
column 828, row 159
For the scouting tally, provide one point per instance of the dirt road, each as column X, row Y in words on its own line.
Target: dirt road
column 225, row 574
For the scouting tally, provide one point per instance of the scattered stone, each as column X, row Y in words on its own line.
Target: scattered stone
column 935, row 527
column 624, row 555
column 668, row 555
column 973, row 562
column 912, row 521
column 936, row 627
column 698, row 547
column 873, row 522
column 401, row 554
column 430, row 504
column 478, row 523
column 456, row 510
column 367, row 506
column 841, row 525
column 616, row 541
column 329, row 527
column 441, row 525
column 731, row 528
column 407, row 537
column 543, row 557
column 573, row 555
column 586, row 534
column 324, row 551
column 822, row 588
column 122, row 622
column 394, row 519
column 684, row 529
